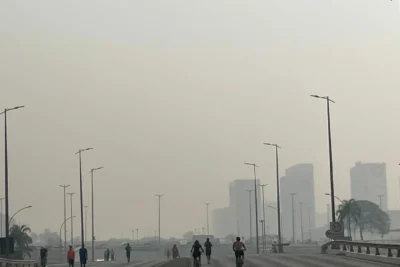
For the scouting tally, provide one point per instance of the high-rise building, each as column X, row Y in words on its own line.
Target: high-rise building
column 368, row 182
column 222, row 223
column 239, row 202
column 298, row 180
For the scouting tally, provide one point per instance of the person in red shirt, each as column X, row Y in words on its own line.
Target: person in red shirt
column 71, row 257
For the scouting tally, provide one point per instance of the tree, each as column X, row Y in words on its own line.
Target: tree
column 188, row 236
column 349, row 212
column 22, row 240
column 372, row 218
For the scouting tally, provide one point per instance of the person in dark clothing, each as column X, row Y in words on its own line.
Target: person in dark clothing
column 208, row 246
column 43, row 256
column 83, row 256
column 196, row 250
column 128, row 250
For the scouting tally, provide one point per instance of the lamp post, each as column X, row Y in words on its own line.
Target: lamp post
column 309, row 222
column 86, row 222
column 263, row 207
column 380, row 201
column 6, row 175
column 137, row 236
column 65, row 215
column 159, row 218
column 251, row 232
column 208, row 225
column 293, row 222
column 255, row 198
column 301, row 222
column 328, row 101
column 18, row 211
column 72, row 220
column 92, row 182
column 81, row 193
column 63, row 224
column 278, row 201
column 1, row 218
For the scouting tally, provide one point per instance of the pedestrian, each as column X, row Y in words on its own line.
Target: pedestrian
column 105, row 255
column 208, row 246
column 83, row 256
column 175, row 252
column 128, row 250
column 168, row 253
column 112, row 255
column 71, row 257
column 108, row 254
column 43, row 256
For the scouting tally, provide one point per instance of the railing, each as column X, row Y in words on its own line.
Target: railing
column 18, row 263
column 365, row 249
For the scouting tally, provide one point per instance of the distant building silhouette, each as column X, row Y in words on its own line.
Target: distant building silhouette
column 368, row 182
column 298, row 179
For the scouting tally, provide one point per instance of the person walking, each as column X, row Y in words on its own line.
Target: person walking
column 128, row 250
column 207, row 246
column 112, row 255
column 83, row 256
column 175, row 252
column 43, row 257
column 71, row 257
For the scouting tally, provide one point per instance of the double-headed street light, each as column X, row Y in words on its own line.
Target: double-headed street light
column 81, row 193
column 6, row 175
column 255, row 197
column 328, row 101
column 93, row 237
column 278, row 199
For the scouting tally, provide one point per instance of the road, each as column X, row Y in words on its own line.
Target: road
column 300, row 256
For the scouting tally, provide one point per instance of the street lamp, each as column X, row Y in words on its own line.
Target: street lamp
column 263, row 207
column 293, row 227
column 65, row 216
column 72, row 220
column 380, row 200
column 341, row 201
column 328, row 101
column 159, row 218
column 301, row 222
column 1, row 216
column 251, row 232
column 208, row 225
column 63, row 224
column 6, row 174
column 81, row 192
column 93, row 237
column 255, row 197
column 18, row 211
column 277, row 147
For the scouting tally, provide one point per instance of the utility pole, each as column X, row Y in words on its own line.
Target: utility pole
column 251, row 232
column 301, row 222
column 208, row 225
column 159, row 218
column 293, row 224
column 256, row 205
column 72, row 221
column 137, row 235
column 65, row 215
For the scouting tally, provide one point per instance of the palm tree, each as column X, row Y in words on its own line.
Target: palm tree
column 349, row 211
column 20, row 234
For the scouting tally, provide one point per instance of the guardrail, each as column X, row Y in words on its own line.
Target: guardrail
column 380, row 252
column 18, row 263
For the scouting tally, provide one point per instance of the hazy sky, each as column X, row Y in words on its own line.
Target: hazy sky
column 175, row 95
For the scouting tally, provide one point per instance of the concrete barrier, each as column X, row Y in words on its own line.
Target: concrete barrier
column 377, row 252
column 18, row 263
